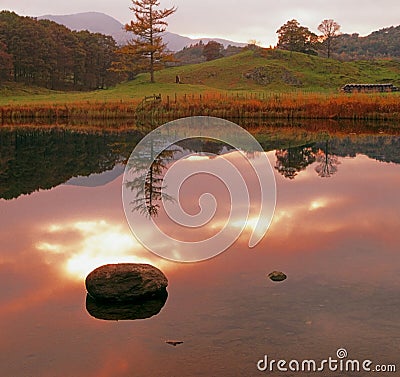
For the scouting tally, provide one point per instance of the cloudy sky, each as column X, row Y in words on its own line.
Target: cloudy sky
column 233, row 19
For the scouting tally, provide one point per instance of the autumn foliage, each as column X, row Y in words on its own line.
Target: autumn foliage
column 147, row 50
column 46, row 54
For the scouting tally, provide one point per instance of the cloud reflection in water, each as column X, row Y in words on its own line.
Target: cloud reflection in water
column 95, row 243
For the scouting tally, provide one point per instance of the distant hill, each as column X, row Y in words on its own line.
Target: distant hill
column 379, row 44
column 97, row 22
column 97, row 179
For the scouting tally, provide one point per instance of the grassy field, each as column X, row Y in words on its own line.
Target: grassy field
column 283, row 71
column 258, row 83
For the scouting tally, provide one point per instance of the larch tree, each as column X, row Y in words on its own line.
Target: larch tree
column 147, row 46
column 329, row 30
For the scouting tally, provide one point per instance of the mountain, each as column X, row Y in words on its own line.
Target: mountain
column 97, row 179
column 101, row 23
column 92, row 21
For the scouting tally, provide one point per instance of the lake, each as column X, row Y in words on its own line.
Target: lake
column 335, row 234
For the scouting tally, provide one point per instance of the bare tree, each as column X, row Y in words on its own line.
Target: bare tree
column 329, row 29
column 327, row 162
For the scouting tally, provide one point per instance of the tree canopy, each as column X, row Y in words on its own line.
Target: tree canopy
column 213, row 50
column 379, row 44
column 47, row 54
column 383, row 43
column 294, row 37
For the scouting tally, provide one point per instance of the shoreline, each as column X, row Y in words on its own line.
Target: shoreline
column 285, row 106
column 256, row 127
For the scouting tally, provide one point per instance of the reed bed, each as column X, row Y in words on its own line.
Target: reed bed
column 80, row 110
column 297, row 105
column 359, row 106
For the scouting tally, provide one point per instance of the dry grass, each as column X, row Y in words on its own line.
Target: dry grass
column 297, row 105
column 281, row 106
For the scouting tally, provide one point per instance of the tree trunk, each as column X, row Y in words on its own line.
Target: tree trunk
column 152, row 44
column 329, row 47
column 152, row 67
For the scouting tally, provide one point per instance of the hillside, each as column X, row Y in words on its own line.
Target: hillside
column 269, row 71
column 97, row 22
column 379, row 44
column 280, row 70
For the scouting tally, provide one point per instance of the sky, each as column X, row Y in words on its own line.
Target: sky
column 236, row 20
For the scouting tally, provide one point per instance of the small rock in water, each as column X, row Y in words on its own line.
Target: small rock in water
column 174, row 342
column 277, row 276
column 125, row 282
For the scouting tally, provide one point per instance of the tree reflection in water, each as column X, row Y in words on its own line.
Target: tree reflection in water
column 147, row 184
column 327, row 162
column 290, row 162
column 149, row 194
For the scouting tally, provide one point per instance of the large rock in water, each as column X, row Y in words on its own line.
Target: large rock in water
column 125, row 282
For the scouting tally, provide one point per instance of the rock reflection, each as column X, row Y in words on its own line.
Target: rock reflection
column 132, row 310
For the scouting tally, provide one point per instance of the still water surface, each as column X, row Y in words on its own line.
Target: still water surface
column 335, row 234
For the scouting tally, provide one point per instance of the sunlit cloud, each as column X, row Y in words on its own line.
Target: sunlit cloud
column 317, row 204
column 197, row 158
column 49, row 247
column 54, row 228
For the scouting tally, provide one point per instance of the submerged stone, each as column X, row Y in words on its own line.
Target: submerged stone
column 174, row 342
column 125, row 282
column 277, row 276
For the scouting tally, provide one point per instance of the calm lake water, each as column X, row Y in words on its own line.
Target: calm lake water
column 335, row 234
